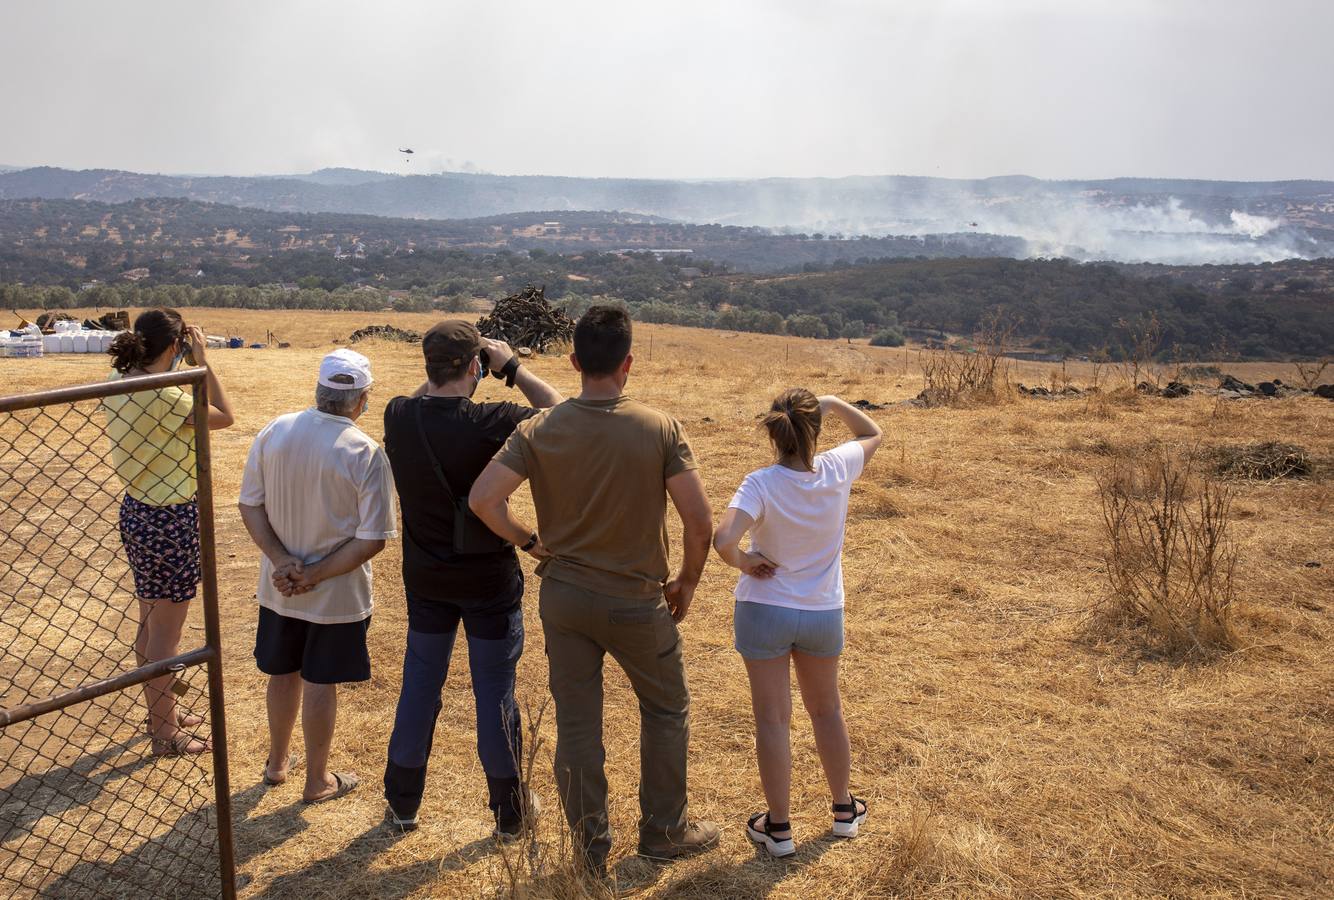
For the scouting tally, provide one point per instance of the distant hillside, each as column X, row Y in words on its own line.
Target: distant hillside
column 73, row 240
column 1125, row 219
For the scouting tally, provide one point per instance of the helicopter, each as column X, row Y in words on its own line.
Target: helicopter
column 407, row 153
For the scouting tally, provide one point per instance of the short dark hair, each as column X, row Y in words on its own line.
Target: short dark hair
column 602, row 340
column 442, row 373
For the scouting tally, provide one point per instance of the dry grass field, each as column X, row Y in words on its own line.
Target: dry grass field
column 1008, row 740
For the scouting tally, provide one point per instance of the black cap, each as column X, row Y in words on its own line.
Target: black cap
column 451, row 344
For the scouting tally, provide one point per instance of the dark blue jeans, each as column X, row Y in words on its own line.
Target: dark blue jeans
column 495, row 642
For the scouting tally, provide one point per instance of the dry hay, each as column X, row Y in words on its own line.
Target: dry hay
column 1001, row 749
column 1262, row 461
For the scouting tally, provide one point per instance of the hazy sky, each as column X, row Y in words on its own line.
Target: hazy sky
column 726, row 88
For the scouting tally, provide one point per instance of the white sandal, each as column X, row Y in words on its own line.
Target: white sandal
column 848, row 827
column 778, row 848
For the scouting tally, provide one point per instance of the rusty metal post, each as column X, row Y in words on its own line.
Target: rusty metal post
column 208, row 557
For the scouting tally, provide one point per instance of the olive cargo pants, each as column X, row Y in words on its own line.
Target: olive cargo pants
column 581, row 627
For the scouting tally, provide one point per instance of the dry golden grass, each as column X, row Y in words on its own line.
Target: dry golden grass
column 1006, row 743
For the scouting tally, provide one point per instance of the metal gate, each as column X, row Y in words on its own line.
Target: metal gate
column 86, row 808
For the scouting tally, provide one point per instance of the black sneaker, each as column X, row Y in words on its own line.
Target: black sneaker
column 403, row 823
column 510, row 822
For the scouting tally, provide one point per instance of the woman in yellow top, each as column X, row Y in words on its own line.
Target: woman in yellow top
column 153, row 449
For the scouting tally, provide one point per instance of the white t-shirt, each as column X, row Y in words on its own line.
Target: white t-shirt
column 799, row 523
column 321, row 480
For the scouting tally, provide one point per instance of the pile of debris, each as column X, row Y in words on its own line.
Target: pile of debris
column 1053, row 393
column 1262, row 462
column 47, row 321
column 526, row 319
column 1173, row 389
column 1233, row 388
column 384, row 333
column 112, row 321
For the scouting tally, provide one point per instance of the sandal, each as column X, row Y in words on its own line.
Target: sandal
column 292, row 762
column 183, row 719
column 848, row 827
column 180, row 745
column 344, row 784
column 779, row 848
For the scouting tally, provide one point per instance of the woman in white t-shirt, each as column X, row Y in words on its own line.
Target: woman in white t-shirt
column 790, row 599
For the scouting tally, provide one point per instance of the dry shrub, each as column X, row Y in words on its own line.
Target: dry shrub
column 1261, row 462
column 908, row 860
column 953, row 378
column 1168, row 558
column 1311, row 372
column 529, row 865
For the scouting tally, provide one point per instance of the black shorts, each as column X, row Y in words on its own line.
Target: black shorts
column 323, row 654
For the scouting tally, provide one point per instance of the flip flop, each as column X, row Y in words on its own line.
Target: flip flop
column 292, row 762
column 346, row 783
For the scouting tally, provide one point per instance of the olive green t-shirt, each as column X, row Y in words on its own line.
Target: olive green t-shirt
column 598, row 471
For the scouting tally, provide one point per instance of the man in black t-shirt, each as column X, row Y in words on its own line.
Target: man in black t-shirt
column 454, row 568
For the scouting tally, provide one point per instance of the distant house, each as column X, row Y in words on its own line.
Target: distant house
column 89, row 285
column 289, row 287
column 135, row 274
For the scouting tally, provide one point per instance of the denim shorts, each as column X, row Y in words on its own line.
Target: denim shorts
column 765, row 631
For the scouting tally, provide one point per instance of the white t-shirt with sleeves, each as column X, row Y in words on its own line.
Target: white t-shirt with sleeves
column 321, row 481
column 800, row 518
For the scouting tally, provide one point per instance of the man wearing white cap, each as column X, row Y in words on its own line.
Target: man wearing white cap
column 317, row 497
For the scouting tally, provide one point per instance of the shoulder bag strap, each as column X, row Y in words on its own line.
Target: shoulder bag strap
column 430, row 453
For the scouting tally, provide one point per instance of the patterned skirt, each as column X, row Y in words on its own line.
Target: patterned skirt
column 162, row 544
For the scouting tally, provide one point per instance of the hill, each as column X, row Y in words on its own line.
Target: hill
column 1127, row 219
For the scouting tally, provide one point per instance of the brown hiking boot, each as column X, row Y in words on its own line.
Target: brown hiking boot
column 696, row 837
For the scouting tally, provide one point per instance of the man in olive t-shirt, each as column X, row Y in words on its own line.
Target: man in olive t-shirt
column 601, row 467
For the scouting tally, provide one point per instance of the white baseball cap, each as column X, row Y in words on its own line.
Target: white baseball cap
column 348, row 363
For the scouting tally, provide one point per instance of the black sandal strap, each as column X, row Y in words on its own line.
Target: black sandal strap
column 769, row 827
column 850, row 807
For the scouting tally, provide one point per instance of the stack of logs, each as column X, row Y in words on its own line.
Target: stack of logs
column 526, row 319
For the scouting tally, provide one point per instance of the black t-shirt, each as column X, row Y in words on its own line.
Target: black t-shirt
column 464, row 436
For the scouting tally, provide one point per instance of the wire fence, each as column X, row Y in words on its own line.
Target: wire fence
column 113, row 764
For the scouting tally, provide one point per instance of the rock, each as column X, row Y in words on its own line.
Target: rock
column 1145, row 388
column 1229, row 383
column 867, row 404
column 1279, row 383
column 1176, row 389
column 1268, row 388
column 1325, row 390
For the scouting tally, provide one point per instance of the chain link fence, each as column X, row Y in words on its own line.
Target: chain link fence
column 113, row 764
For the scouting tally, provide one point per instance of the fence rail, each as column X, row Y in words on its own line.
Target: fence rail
column 87, row 809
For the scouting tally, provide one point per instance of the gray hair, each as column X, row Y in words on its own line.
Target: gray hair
column 337, row 401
